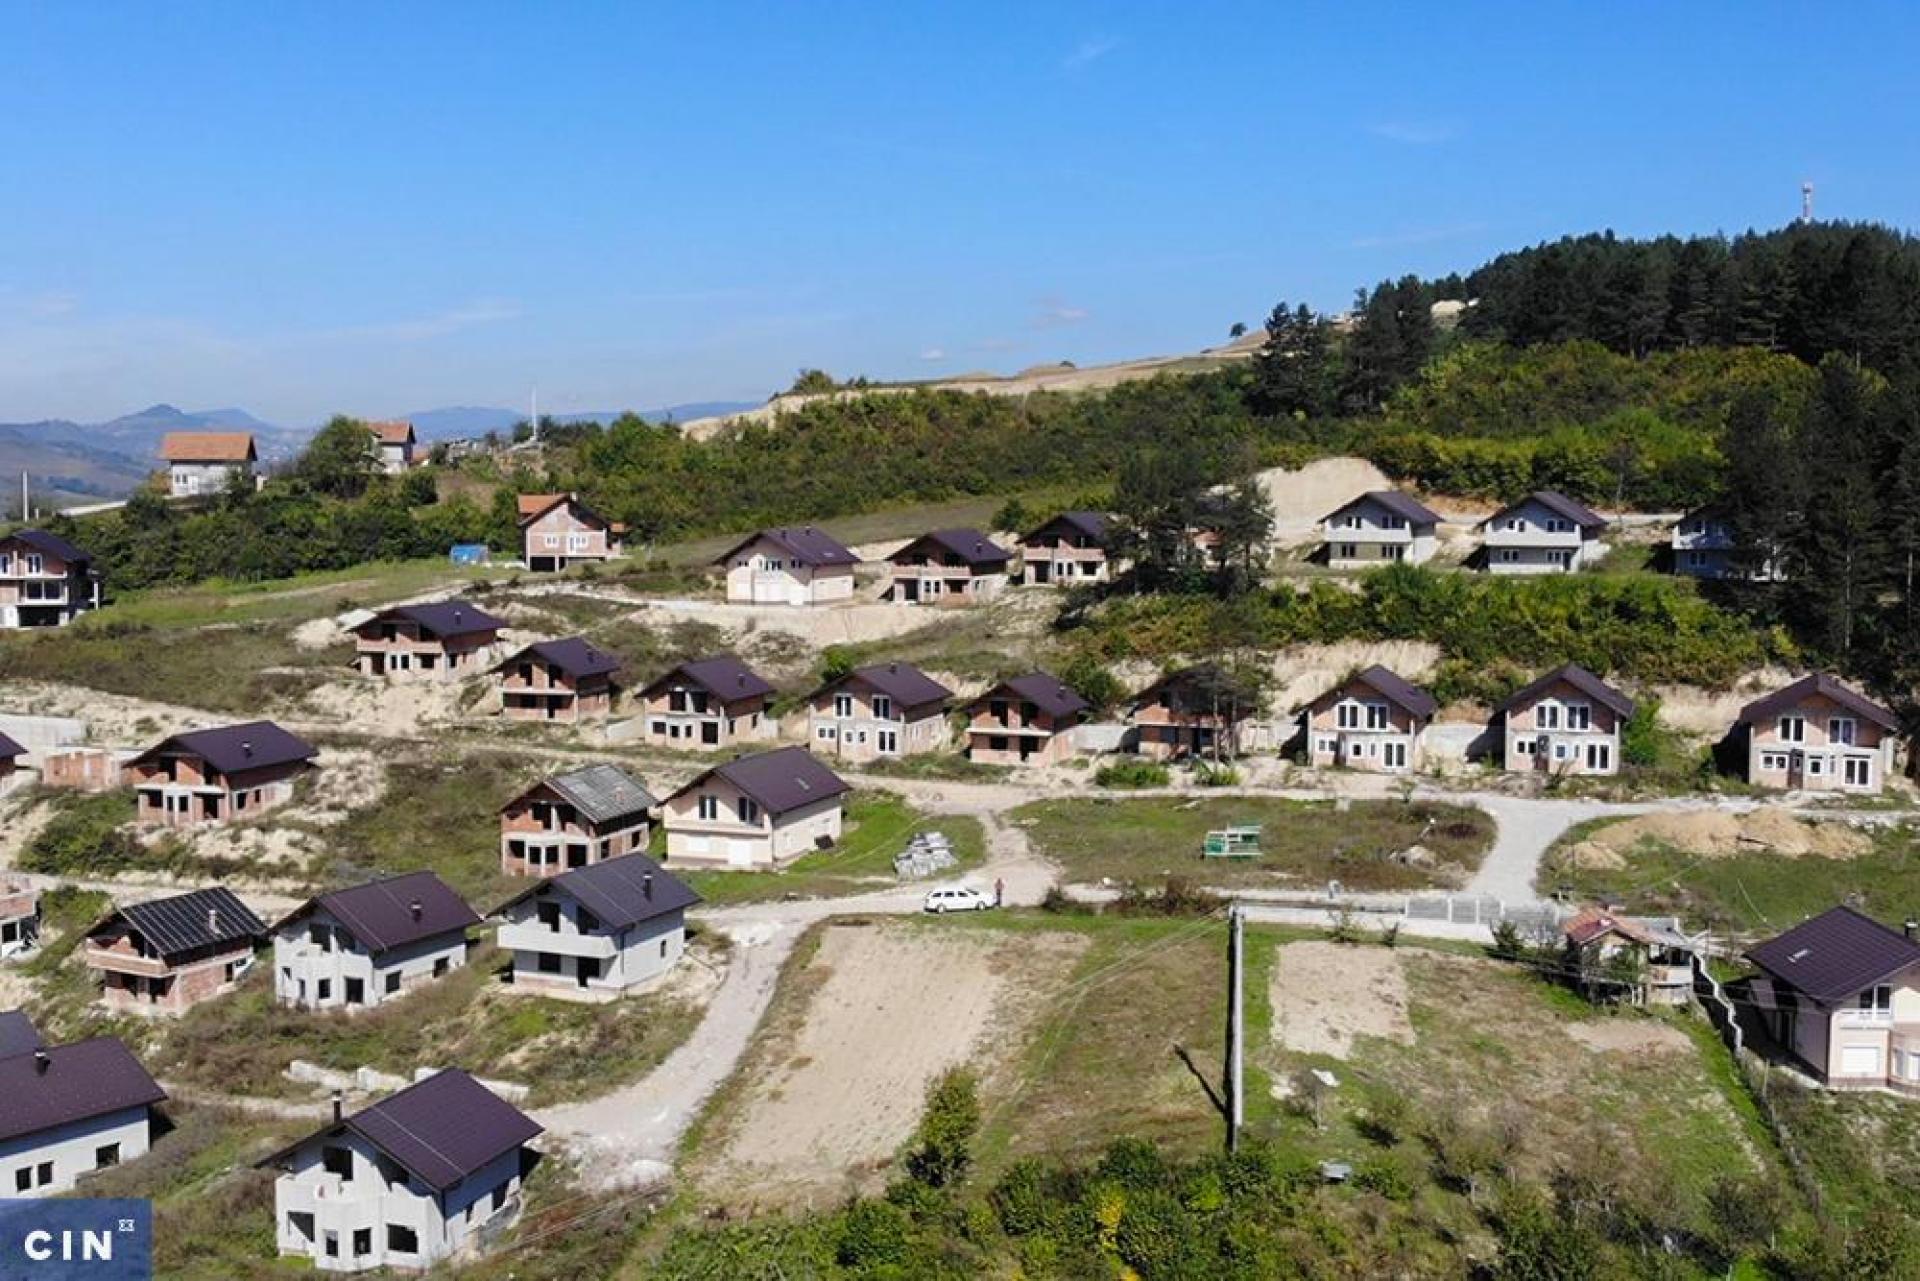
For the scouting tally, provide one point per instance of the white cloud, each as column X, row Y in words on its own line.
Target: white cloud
column 1417, row 236
column 1088, row 52
column 1415, row 133
column 933, row 353
column 1056, row 313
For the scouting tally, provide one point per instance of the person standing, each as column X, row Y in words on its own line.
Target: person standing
column 999, row 891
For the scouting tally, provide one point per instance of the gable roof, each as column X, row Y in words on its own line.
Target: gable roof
column 722, row 675
column 1578, row 677
column 49, row 544
column 905, row 684
column 1395, row 689
column 1087, row 524
column 443, row 619
column 201, row 921
column 1190, row 690
column 533, row 506
column 1592, row 923
column 79, row 1081
column 602, row 792
column 622, row 891
column 970, row 545
column 207, row 447
column 232, row 748
column 10, row 749
column 392, row 431
column 808, row 544
column 1820, row 683
column 1405, row 506
column 1557, row 503
column 17, row 1033
column 783, row 780
column 577, row 656
column 441, row 1129
column 380, row 913
column 1045, row 691
column 1835, row 954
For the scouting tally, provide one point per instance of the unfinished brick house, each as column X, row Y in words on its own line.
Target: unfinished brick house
column 1025, row 720
column 84, row 769
column 888, row 709
column 1372, row 721
column 357, row 948
column 12, row 772
column 756, row 812
column 1071, row 548
column 217, row 775
column 1197, row 711
column 205, row 462
column 710, row 702
column 948, row 567
column 19, row 917
column 568, row 681
column 394, row 445
column 45, row 581
column 1818, row 735
column 167, row 956
column 558, row 530
column 574, row 820
column 1567, row 722
column 790, row 565
column 445, row 639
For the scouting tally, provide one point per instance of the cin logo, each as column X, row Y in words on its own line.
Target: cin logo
column 84, row 1239
column 69, row 1246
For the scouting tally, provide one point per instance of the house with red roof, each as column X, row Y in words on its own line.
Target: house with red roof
column 788, row 565
column 217, row 775
column 394, row 444
column 1818, row 735
column 565, row 681
column 1841, row 993
column 558, row 530
column 357, row 948
column 45, row 581
column 885, row 710
column 1543, row 533
column 948, row 567
column 1379, row 528
column 1374, row 720
column 758, row 811
column 438, row 640
column 1567, row 722
column 1025, row 720
column 709, row 702
column 426, row 1175
column 1638, row 960
column 205, row 462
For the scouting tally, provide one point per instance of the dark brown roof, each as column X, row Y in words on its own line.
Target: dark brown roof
column 1405, row 506
column 1392, row 687
column 1559, row 504
column 50, row 545
column 380, row 914
column 10, row 749
column 17, row 1033
column 200, row 922
column 1836, row 954
column 62, row 1084
column 442, row 619
column 1091, row 525
column 905, row 684
column 575, row 655
column 783, row 780
column 808, row 544
column 233, row 748
column 722, row 675
column 1581, row 679
column 621, row 892
column 1046, row 692
column 441, row 1129
column 1785, row 700
column 970, row 545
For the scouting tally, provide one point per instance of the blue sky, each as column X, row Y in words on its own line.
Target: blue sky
column 378, row 208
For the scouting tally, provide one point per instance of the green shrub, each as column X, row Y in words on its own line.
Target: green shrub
column 1132, row 772
column 942, row 1146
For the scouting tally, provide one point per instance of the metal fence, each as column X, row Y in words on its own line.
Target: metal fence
column 1480, row 909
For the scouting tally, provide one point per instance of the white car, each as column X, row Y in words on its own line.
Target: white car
column 960, row 898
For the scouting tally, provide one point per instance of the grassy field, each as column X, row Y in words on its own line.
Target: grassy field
column 878, row 825
column 1304, row 843
column 1752, row 893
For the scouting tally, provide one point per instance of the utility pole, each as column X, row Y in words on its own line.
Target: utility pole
column 1236, row 1026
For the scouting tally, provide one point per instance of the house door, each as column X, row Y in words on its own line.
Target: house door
column 710, row 732
column 1857, row 771
column 910, row 590
column 377, row 663
column 740, row 852
column 585, row 970
column 1393, row 755
column 1600, row 757
column 1860, row 1060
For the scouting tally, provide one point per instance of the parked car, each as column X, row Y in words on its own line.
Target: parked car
column 958, row 898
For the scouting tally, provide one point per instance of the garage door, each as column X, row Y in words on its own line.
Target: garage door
column 1860, row 1060
column 740, row 852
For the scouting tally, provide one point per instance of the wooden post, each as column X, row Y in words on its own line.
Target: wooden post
column 1236, row 1027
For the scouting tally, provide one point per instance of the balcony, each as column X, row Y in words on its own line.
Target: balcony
column 531, row 936
column 103, row 958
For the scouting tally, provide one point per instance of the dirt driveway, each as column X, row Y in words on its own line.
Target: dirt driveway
column 1326, row 995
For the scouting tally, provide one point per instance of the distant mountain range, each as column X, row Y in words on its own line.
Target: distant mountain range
column 70, row 462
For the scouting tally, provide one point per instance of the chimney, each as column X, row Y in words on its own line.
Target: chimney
column 246, row 747
column 646, row 885
column 415, row 908
column 41, row 1062
column 336, row 1107
column 893, row 667
column 213, row 920
column 1912, row 928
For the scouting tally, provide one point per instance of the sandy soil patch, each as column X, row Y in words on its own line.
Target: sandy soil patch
column 1629, row 1036
column 112, row 720
column 1719, row 834
column 1708, row 714
column 819, row 626
column 896, row 1006
column 1302, row 673
column 390, row 709
column 1326, row 995
column 1301, row 498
